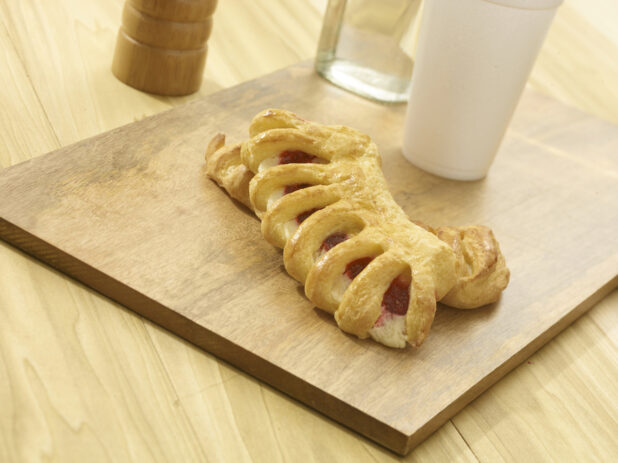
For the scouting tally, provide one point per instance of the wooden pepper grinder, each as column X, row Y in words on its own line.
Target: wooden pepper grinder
column 161, row 46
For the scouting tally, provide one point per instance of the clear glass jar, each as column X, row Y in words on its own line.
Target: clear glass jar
column 367, row 47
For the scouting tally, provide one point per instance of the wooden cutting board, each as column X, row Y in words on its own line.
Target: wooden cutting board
column 131, row 213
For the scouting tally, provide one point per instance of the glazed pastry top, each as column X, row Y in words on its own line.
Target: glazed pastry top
column 321, row 195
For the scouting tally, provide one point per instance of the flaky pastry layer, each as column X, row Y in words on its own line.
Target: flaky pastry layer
column 321, row 196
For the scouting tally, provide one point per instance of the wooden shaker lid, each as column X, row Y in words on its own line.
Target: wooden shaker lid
column 176, row 10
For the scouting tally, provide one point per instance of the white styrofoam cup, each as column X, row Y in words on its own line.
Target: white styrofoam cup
column 472, row 63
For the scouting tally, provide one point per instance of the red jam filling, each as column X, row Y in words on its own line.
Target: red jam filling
column 333, row 240
column 295, row 157
column 397, row 296
column 356, row 266
column 296, row 186
column 300, row 218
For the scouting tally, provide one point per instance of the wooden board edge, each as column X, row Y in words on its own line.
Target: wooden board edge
column 301, row 66
column 287, row 383
column 502, row 370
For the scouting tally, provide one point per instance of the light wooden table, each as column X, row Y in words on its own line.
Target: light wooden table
column 83, row 379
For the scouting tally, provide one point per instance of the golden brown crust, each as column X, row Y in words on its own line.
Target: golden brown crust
column 481, row 268
column 349, row 195
column 226, row 168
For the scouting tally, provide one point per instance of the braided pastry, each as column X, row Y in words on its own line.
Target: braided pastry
column 321, row 196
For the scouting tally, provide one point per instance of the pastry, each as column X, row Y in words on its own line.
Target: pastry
column 321, row 196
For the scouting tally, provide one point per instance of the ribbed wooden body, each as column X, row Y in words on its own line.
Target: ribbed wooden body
column 161, row 45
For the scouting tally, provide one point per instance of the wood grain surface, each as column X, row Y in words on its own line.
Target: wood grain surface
column 83, row 379
column 131, row 214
